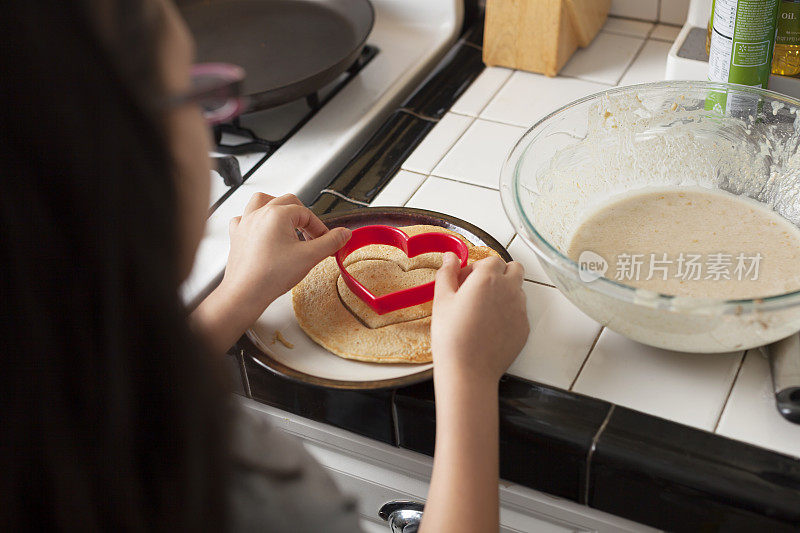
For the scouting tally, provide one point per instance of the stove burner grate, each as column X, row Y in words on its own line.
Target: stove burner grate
column 228, row 166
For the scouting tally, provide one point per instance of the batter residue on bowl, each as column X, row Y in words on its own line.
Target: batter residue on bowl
column 691, row 242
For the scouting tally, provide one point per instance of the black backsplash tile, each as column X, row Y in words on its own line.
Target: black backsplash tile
column 679, row 478
column 545, row 433
column 456, row 73
column 378, row 161
column 368, row 413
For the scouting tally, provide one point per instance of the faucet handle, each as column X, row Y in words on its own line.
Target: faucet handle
column 403, row 516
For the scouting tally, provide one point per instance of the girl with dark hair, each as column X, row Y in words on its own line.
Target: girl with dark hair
column 113, row 416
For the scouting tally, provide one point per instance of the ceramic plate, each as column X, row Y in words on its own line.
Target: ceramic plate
column 308, row 362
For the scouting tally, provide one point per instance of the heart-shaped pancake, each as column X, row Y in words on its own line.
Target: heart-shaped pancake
column 381, row 277
column 331, row 315
column 412, row 246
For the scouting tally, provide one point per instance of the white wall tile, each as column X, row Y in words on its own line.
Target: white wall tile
column 665, row 32
column 674, row 11
column 687, row 388
column 481, row 91
column 528, row 97
column 635, row 9
column 477, row 205
column 438, row 141
column 605, row 60
column 397, row 192
column 635, row 28
column 559, row 339
column 523, row 254
column 650, row 65
column 750, row 414
column 479, row 154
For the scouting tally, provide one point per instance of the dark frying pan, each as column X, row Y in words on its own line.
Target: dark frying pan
column 288, row 48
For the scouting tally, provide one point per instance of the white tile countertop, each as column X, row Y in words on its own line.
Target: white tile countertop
column 456, row 170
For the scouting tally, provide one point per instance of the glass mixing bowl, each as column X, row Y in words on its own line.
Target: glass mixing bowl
column 739, row 139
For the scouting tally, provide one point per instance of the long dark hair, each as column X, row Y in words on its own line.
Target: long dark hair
column 110, row 416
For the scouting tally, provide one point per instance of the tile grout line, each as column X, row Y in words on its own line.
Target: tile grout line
column 423, row 174
column 449, row 148
column 245, row 378
column 465, row 183
column 542, row 283
column 632, row 18
column 730, row 391
column 417, row 115
column 462, row 114
column 495, row 93
column 508, row 123
column 635, row 57
column 590, row 453
column 343, row 197
column 395, row 425
column 472, row 45
column 626, row 34
column 524, row 278
column 416, row 190
column 650, row 33
column 586, row 359
column 562, row 75
column 661, row 40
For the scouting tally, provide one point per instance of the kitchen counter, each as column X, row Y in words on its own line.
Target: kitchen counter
column 672, row 440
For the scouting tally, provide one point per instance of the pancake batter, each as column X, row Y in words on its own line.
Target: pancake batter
column 693, row 242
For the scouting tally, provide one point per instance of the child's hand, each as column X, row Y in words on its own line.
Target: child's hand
column 266, row 258
column 479, row 326
column 480, row 320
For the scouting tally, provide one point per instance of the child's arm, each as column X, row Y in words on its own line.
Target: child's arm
column 266, row 259
column 479, row 327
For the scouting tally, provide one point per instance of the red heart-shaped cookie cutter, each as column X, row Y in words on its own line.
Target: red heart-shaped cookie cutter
column 412, row 246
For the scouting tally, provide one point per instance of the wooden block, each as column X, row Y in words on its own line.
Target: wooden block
column 533, row 35
column 588, row 16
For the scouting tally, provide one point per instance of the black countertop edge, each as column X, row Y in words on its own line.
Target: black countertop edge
column 367, row 413
column 679, row 478
column 545, row 433
column 650, row 470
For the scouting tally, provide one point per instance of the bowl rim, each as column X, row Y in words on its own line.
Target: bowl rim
column 508, row 184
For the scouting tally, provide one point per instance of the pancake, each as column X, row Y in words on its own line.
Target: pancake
column 343, row 324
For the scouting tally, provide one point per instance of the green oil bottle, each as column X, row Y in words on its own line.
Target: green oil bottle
column 742, row 40
column 786, row 58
